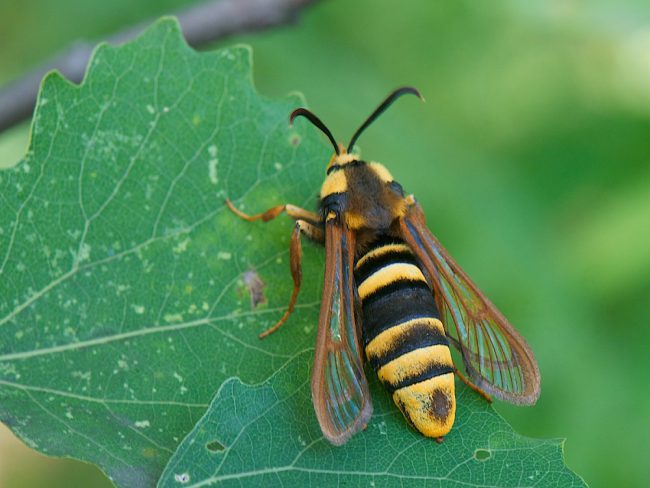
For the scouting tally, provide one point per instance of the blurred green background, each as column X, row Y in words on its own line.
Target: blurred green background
column 531, row 158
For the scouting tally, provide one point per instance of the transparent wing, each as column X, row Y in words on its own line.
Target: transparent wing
column 338, row 384
column 496, row 356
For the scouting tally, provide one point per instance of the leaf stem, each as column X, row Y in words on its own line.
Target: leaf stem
column 201, row 24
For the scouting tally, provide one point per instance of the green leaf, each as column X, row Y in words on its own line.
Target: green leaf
column 125, row 298
column 122, row 309
column 266, row 435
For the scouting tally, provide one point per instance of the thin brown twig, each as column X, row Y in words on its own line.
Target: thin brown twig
column 201, row 24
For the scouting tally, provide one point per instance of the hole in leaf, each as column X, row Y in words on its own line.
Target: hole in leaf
column 182, row 478
column 215, row 446
column 482, row 454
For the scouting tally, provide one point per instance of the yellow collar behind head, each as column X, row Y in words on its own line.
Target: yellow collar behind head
column 342, row 158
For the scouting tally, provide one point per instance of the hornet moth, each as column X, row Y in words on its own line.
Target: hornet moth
column 394, row 297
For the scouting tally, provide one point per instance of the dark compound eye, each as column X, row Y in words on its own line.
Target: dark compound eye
column 334, row 202
column 396, row 187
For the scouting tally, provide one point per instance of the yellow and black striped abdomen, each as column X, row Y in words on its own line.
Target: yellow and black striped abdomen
column 403, row 337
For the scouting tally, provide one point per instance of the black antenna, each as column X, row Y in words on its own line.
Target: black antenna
column 317, row 122
column 382, row 107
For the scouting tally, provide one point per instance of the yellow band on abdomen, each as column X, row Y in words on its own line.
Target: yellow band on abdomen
column 389, row 274
column 413, row 363
column 385, row 341
column 381, row 251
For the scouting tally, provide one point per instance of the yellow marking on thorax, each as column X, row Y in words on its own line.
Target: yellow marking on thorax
column 335, row 182
column 400, row 210
column 381, row 171
column 413, row 363
column 380, row 251
column 355, row 221
column 430, row 405
column 387, row 275
column 385, row 341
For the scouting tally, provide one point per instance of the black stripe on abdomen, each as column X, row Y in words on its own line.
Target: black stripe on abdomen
column 407, row 336
column 432, row 370
column 394, row 304
column 404, row 340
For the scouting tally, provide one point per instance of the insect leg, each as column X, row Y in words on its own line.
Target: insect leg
column 295, row 252
column 472, row 385
column 291, row 210
column 297, row 213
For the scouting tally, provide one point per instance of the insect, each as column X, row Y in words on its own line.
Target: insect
column 393, row 296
